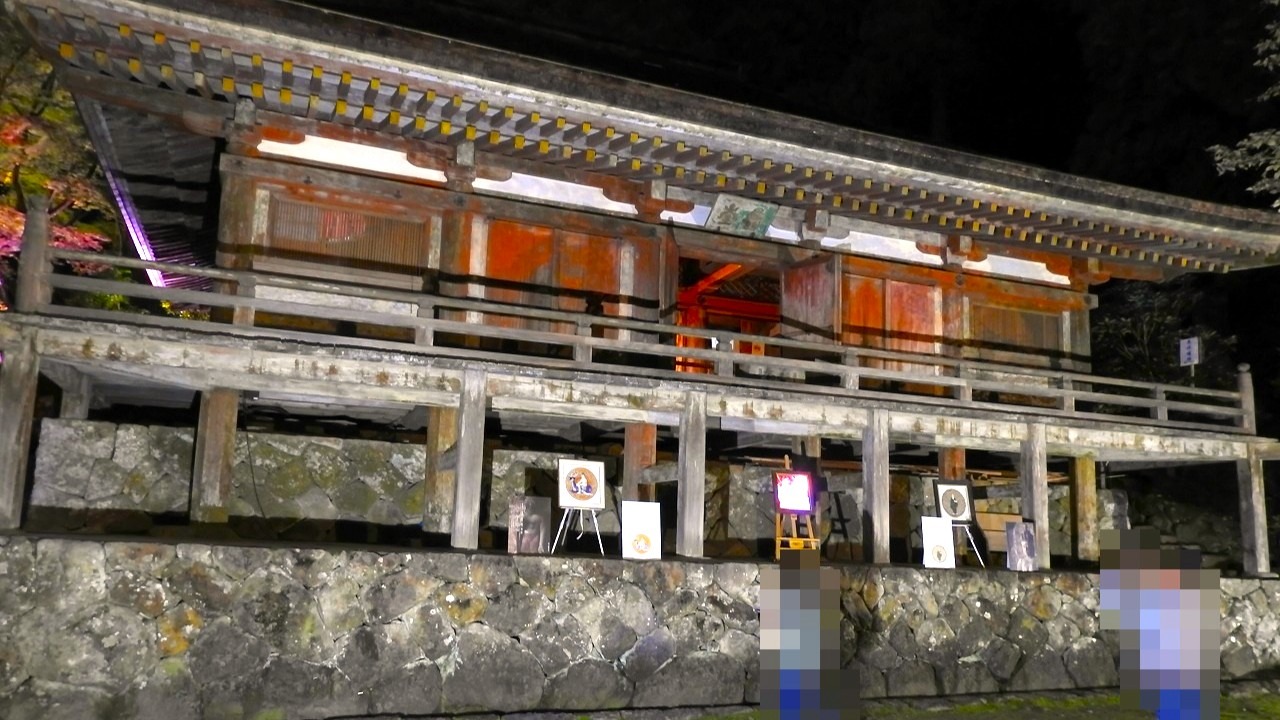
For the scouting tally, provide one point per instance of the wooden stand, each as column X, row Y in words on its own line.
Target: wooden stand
column 786, row 528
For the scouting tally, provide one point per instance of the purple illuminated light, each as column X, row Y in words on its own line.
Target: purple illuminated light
column 129, row 213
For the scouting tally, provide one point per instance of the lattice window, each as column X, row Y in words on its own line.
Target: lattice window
column 346, row 237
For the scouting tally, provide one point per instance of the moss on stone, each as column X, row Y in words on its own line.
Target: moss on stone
column 328, row 465
column 172, row 667
column 288, row 480
column 365, row 460
column 411, row 501
column 354, row 499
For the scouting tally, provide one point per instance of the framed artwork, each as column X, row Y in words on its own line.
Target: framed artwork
column 641, row 530
column 1021, row 544
column 581, row 484
column 529, row 525
column 740, row 216
column 953, row 502
column 939, row 542
column 793, row 492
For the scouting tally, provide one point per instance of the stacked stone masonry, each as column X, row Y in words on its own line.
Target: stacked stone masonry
column 86, row 464
column 92, row 629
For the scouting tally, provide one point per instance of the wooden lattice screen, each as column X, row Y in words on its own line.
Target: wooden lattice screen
column 346, row 237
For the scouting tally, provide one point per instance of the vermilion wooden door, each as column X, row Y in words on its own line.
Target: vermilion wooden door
column 810, row 302
column 519, row 269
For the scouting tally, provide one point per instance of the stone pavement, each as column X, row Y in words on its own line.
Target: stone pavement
column 1248, row 700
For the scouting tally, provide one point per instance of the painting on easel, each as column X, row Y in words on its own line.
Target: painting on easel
column 581, row 484
column 793, row 492
column 795, row 517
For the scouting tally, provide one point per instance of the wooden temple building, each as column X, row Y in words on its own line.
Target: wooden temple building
column 385, row 223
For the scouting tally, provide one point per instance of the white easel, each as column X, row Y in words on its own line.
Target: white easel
column 972, row 543
column 562, row 533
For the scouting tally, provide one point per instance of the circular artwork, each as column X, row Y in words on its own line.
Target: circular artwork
column 953, row 503
column 582, row 484
column 939, row 553
column 641, row 544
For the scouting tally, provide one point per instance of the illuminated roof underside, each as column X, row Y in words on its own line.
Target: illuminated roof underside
column 185, row 58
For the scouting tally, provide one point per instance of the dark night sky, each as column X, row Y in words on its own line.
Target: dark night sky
column 1130, row 91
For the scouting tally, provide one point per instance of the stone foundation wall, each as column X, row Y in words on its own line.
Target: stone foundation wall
column 83, row 464
column 1217, row 535
column 98, row 465
column 146, row 630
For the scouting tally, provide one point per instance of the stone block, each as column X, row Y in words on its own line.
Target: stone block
column 700, row 678
column 490, row 672
column 1090, row 664
column 915, row 678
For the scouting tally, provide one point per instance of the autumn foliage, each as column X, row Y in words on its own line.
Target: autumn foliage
column 44, row 150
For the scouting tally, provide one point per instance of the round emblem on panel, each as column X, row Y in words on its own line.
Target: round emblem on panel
column 953, row 503
column 641, row 543
column 581, row 484
column 939, row 553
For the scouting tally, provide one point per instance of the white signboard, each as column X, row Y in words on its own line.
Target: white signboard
column 1189, row 351
column 581, row 484
column 939, row 542
column 641, row 530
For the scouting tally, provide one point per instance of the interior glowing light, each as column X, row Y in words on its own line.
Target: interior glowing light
column 520, row 185
column 344, row 154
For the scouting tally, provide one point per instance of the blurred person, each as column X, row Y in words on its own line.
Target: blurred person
column 1165, row 608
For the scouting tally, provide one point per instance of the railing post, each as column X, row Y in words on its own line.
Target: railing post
column 425, row 334
column 1160, row 411
column 724, row 364
column 581, row 350
column 246, row 287
column 964, row 391
column 851, row 377
column 1248, row 419
column 34, row 266
column 1068, row 399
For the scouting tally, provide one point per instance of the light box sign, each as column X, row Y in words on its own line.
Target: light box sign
column 581, row 484
column 793, row 492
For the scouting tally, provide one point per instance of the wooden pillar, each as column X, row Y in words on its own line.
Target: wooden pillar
column 1035, row 489
column 1084, row 507
column 77, row 397
column 441, row 469
column 875, row 488
column 639, row 451
column 215, row 450
column 470, row 463
column 951, row 467
column 1253, row 514
column 33, row 262
column 77, row 390
column 19, row 376
column 691, row 499
column 1248, row 417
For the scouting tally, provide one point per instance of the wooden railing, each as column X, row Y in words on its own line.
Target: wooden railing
column 447, row 325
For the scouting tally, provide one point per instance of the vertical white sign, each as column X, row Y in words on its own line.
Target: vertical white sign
column 641, row 530
column 1189, row 351
column 939, row 542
